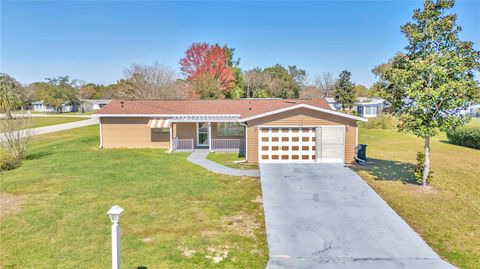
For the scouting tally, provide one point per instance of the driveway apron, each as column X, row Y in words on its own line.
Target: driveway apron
column 326, row 216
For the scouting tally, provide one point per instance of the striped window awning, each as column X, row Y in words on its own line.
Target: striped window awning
column 159, row 123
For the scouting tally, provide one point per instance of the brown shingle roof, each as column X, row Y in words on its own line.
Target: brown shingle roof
column 243, row 107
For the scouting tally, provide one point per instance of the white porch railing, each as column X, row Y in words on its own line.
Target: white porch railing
column 182, row 144
column 235, row 145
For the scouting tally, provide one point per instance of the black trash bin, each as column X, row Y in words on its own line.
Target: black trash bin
column 361, row 153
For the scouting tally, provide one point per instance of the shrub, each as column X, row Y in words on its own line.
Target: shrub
column 419, row 169
column 16, row 138
column 7, row 163
column 465, row 136
column 384, row 121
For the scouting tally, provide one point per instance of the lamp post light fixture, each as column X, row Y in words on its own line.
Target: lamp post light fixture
column 114, row 214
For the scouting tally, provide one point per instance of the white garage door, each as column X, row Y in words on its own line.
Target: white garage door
column 301, row 144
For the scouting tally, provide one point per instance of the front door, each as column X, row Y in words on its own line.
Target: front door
column 202, row 134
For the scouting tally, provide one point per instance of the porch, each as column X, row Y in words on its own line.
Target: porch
column 214, row 136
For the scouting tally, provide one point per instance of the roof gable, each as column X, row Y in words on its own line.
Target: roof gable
column 328, row 111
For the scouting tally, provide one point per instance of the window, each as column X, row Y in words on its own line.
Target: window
column 370, row 110
column 161, row 130
column 230, row 129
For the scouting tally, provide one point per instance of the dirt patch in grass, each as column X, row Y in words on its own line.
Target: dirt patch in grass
column 10, row 204
column 244, row 224
column 258, row 199
column 420, row 190
column 187, row 252
column 218, row 254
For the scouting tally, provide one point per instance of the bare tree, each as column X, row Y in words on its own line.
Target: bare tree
column 311, row 92
column 256, row 79
column 15, row 138
column 149, row 82
column 325, row 84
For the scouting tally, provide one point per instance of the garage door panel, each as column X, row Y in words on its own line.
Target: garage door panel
column 287, row 144
column 301, row 144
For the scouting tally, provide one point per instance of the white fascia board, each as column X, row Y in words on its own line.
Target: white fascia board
column 328, row 111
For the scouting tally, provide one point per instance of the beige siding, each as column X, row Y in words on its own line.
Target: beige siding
column 131, row 133
column 302, row 117
column 186, row 130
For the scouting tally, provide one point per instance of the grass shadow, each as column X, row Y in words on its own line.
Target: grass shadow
column 38, row 155
column 391, row 170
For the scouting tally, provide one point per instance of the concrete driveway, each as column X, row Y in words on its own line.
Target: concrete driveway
column 326, row 216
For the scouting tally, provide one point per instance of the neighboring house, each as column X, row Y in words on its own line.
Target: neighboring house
column 365, row 106
column 266, row 130
column 369, row 107
column 41, row 107
column 88, row 105
column 472, row 111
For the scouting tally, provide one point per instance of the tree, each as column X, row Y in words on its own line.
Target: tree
column 58, row 91
column 203, row 60
column 311, row 92
column 8, row 99
column 379, row 87
column 285, row 83
column 149, row 82
column 237, row 90
column 325, row 84
column 344, row 92
column 362, row 91
column 207, row 87
column 88, row 91
column 255, row 81
column 434, row 80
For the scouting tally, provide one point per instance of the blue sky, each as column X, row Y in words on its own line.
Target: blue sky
column 95, row 41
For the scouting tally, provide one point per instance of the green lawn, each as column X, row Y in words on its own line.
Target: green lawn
column 47, row 121
column 228, row 159
column 177, row 215
column 447, row 217
column 65, row 113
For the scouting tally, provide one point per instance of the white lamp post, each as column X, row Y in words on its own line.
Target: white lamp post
column 114, row 214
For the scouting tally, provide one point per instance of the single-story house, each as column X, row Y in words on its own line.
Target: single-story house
column 266, row 130
column 365, row 106
column 88, row 105
column 41, row 107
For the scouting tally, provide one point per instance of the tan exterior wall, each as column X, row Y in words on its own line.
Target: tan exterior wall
column 186, row 130
column 302, row 117
column 131, row 133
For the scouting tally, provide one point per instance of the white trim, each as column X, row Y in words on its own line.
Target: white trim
column 328, row 111
column 171, row 138
column 101, row 138
column 198, row 137
column 246, row 140
column 356, row 136
column 210, row 136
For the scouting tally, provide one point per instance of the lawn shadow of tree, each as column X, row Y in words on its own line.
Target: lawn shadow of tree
column 391, row 170
column 38, row 155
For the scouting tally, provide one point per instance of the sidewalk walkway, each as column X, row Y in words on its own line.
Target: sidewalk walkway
column 59, row 127
column 199, row 157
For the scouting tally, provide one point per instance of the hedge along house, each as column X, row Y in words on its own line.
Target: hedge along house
column 265, row 130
